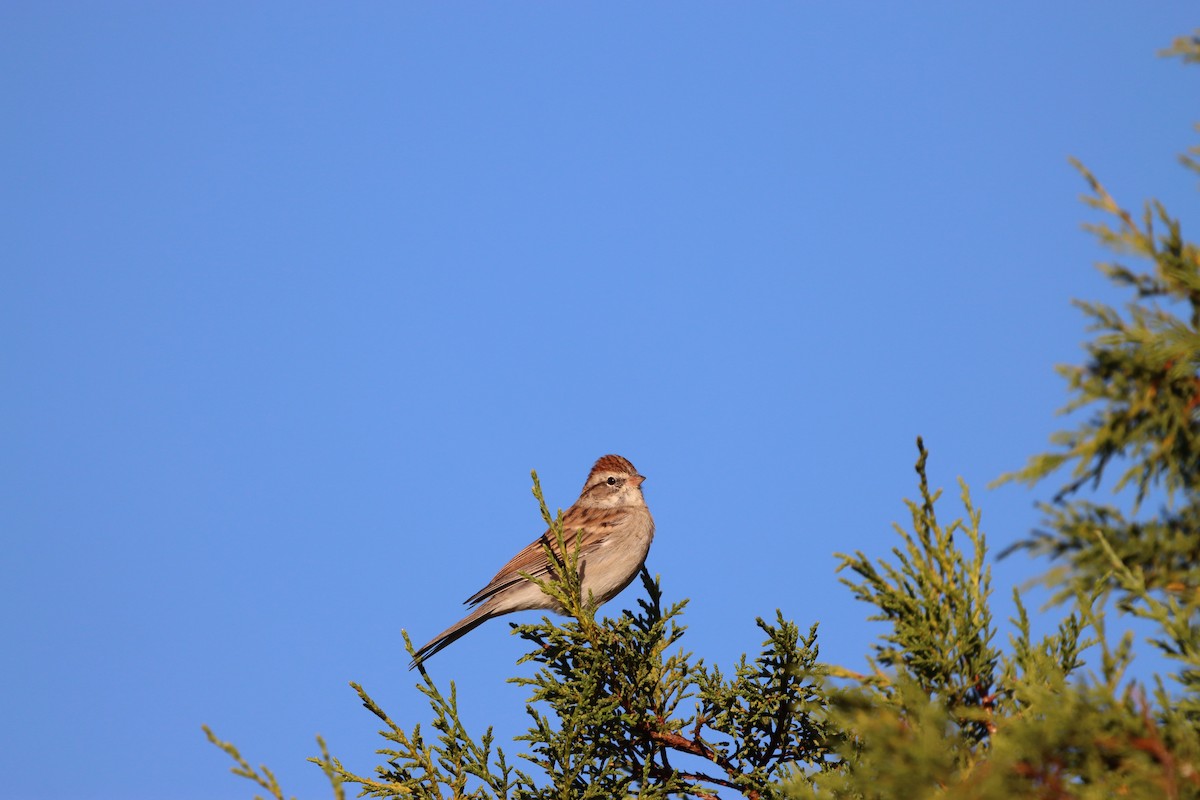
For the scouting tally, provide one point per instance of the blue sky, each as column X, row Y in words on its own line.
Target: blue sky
column 297, row 294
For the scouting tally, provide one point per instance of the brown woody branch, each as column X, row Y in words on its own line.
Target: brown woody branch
column 695, row 747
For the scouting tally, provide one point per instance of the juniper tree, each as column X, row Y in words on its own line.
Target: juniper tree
column 952, row 703
column 1141, row 384
column 942, row 711
column 617, row 709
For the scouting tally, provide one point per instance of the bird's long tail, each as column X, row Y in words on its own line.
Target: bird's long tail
column 452, row 634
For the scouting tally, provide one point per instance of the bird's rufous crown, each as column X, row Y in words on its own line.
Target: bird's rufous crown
column 614, row 463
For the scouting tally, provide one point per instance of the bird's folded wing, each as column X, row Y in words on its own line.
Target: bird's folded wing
column 595, row 524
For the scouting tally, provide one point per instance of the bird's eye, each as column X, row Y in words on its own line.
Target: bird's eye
column 612, row 481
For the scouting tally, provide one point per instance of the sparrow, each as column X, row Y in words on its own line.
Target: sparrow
column 615, row 530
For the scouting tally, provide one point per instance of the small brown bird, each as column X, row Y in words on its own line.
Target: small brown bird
column 616, row 532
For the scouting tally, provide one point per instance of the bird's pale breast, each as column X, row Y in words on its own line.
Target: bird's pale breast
column 613, row 564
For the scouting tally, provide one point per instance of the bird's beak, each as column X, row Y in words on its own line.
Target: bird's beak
column 637, row 480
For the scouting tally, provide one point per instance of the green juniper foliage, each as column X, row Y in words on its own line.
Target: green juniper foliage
column 944, row 713
column 616, row 693
column 946, row 647
column 1141, row 384
column 950, row 705
column 614, row 712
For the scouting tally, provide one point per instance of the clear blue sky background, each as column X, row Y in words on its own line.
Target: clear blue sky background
column 295, row 295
